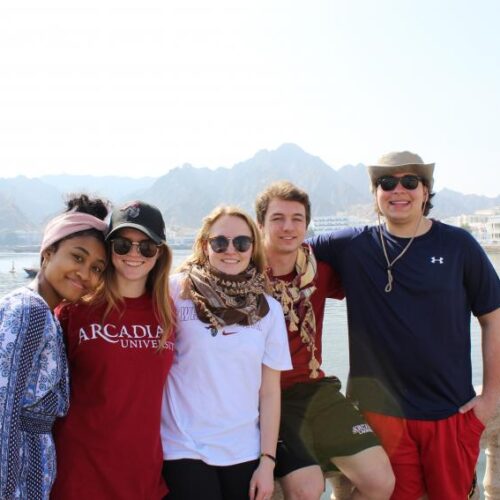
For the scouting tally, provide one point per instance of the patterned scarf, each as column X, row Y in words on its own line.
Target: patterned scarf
column 295, row 300
column 223, row 299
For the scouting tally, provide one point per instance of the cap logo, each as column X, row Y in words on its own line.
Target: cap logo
column 133, row 210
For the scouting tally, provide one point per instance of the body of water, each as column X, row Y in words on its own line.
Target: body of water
column 335, row 346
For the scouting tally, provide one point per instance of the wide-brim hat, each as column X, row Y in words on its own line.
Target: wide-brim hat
column 399, row 162
column 141, row 216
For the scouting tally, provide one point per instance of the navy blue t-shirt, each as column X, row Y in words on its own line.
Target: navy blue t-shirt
column 410, row 348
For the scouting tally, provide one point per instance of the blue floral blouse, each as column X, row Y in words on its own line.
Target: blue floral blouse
column 33, row 392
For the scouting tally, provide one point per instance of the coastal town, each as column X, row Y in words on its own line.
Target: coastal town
column 484, row 225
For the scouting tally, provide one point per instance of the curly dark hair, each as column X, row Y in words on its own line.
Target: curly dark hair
column 85, row 204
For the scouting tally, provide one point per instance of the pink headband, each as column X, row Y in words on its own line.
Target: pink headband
column 69, row 223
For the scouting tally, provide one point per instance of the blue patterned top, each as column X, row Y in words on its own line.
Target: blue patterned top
column 34, row 390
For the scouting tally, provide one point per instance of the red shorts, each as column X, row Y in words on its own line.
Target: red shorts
column 433, row 457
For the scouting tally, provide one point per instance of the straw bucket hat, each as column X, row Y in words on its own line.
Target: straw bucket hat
column 399, row 162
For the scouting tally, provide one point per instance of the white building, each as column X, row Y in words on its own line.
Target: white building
column 483, row 224
column 493, row 229
column 328, row 223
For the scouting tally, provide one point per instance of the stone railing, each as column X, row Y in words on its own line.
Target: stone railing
column 489, row 485
column 490, row 442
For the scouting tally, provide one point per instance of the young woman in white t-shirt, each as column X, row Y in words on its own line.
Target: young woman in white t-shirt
column 221, row 407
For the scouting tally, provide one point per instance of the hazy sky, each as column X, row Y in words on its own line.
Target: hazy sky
column 138, row 87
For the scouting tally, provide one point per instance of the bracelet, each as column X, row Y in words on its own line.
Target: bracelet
column 268, row 456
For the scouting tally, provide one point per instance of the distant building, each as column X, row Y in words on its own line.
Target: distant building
column 180, row 238
column 493, row 229
column 328, row 223
column 484, row 225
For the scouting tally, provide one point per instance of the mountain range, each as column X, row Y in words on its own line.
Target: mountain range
column 186, row 194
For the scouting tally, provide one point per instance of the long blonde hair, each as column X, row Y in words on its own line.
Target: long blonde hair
column 156, row 284
column 199, row 257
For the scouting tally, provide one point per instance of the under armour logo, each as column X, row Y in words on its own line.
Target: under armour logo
column 437, row 259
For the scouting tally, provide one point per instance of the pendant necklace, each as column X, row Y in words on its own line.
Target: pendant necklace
column 390, row 265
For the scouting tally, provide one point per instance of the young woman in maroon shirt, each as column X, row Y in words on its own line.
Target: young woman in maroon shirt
column 120, row 351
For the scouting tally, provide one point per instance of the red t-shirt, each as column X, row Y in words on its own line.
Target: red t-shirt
column 108, row 446
column 328, row 285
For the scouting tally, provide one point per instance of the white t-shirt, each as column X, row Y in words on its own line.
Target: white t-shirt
column 210, row 407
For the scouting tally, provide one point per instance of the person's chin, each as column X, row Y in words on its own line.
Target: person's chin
column 231, row 269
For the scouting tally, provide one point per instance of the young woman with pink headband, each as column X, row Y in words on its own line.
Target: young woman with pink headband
column 33, row 366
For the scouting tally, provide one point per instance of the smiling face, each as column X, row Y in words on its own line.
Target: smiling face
column 230, row 261
column 72, row 269
column 133, row 267
column 284, row 227
column 402, row 207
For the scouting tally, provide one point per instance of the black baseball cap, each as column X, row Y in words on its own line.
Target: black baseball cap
column 138, row 215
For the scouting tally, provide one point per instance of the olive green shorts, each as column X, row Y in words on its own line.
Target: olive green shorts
column 318, row 423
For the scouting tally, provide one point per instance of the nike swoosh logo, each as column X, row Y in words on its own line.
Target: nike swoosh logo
column 228, row 333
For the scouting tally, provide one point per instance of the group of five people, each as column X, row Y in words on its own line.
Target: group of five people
column 174, row 385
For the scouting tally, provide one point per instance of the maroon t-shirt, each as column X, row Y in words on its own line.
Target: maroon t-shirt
column 328, row 285
column 108, row 446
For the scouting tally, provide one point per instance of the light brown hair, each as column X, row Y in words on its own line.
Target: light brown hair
column 156, row 284
column 199, row 257
column 283, row 190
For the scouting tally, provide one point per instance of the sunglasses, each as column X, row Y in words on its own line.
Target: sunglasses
column 220, row 244
column 389, row 182
column 147, row 248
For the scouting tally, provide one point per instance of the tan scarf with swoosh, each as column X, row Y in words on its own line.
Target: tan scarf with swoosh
column 223, row 299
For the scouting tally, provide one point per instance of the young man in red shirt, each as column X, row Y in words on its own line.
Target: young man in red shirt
column 320, row 429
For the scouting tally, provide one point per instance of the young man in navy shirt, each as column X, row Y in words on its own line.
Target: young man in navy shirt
column 411, row 285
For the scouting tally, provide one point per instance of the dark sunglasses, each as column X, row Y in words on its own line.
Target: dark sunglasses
column 389, row 182
column 220, row 244
column 147, row 248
